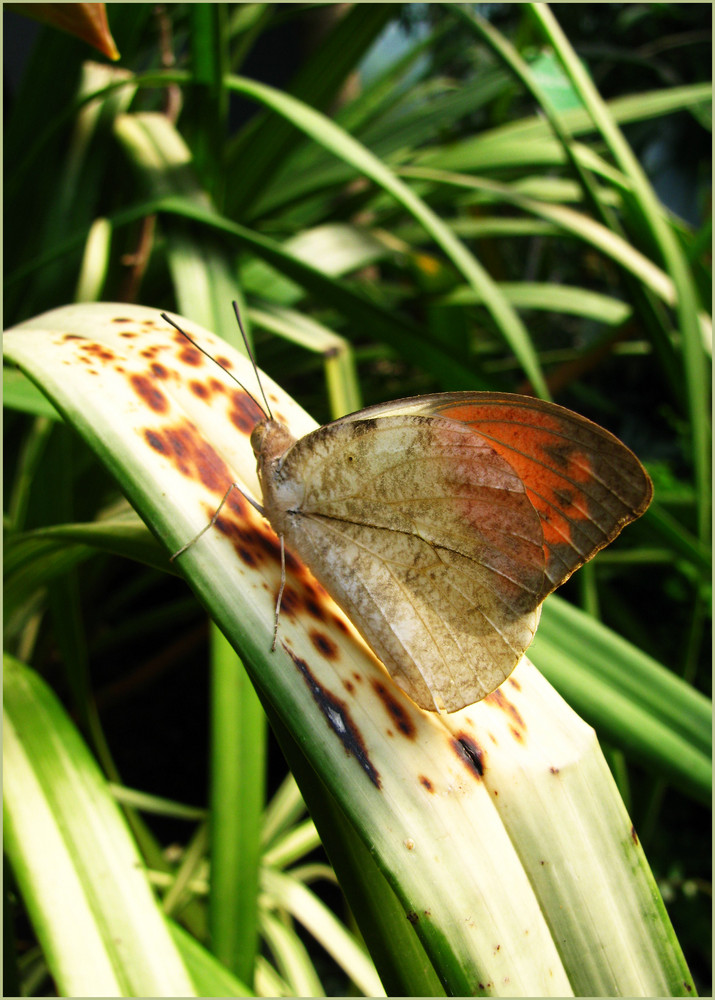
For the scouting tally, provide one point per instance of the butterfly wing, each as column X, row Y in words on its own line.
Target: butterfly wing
column 427, row 539
column 583, row 482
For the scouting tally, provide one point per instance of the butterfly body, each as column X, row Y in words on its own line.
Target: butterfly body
column 439, row 524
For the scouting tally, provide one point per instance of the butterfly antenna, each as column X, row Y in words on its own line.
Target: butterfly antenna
column 253, row 360
column 211, row 358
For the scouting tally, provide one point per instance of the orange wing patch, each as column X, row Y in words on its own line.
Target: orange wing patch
column 584, row 484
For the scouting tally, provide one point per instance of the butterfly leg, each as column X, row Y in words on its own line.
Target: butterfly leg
column 214, row 519
column 280, row 593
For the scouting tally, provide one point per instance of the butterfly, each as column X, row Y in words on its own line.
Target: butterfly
column 440, row 524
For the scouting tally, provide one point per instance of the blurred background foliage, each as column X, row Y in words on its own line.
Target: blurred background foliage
column 179, row 191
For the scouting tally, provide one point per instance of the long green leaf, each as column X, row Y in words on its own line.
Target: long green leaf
column 262, row 147
column 202, row 270
column 81, row 877
column 331, row 137
column 238, row 781
column 532, row 136
column 634, row 702
column 581, row 226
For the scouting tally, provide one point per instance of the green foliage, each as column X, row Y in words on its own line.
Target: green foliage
column 495, row 207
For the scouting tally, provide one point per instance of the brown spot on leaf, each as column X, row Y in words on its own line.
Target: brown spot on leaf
column 313, row 589
column 413, row 917
column 156, row 441
column 159, row 371
column 314, row 609
column 324, row 644
column 199, row 457
column 190, row 355
column 338, row 717
column 290, row 602
column 499, row 699
column 199, row 389
column 269, row 543
column 634, row 835
column 99, row 352
column 236, row 502
column 470, row 753
column 246, row 555
column 245, row 413
column 246, row 541
column 426, row 783
column 395, row 708
column 190, row 453
column 149, row 393
column 340, row 623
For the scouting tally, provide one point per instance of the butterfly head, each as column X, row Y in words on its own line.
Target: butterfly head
column 269, row 440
